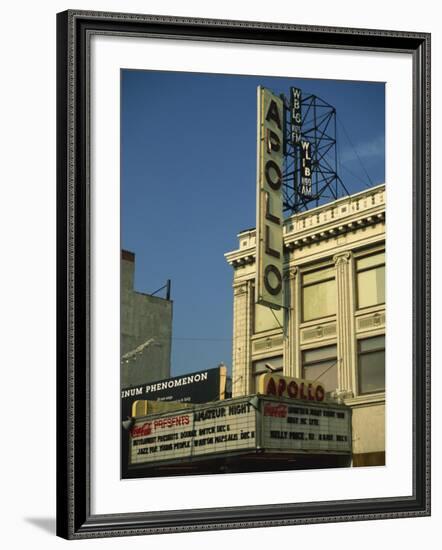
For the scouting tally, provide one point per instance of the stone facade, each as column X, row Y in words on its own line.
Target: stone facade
column 335, row 241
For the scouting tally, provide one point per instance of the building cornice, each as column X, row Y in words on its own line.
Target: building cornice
column 330, row 220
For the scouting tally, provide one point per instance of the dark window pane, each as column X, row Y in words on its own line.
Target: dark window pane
column 372, row 372
column 318, row 354
column 319, row 364
column 259, row 366
column 369, row 344
column 325, row 373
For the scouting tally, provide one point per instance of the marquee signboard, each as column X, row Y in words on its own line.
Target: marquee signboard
column 269, row 216
column 241, row 426
column 206, row 430
column 195, row 387
column 305, row 428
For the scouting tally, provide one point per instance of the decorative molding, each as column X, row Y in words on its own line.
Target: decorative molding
column 323, row 234
column 240, row 289
column 345, row 320
column 268, row 343
column 342, row 258
column 364, row 400
column 373, row 321
column 291, row 273
column 245, row 260
column 319, row 332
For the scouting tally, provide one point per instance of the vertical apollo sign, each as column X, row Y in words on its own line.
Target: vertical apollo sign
column 269, row 251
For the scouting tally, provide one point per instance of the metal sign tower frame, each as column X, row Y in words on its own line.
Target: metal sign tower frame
column 317, row 127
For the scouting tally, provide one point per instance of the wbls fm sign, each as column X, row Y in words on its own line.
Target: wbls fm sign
column 296, row 136
column 269, row 251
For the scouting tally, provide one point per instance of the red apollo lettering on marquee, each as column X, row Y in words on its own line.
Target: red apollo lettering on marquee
column 319, row 393
column 301, row 393
column 271, row 387
column 310, row 392
column 292, row 389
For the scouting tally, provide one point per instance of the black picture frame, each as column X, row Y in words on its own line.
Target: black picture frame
column 74, row 518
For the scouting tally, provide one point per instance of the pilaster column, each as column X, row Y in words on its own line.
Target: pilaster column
column 291, row 323
column 345, row 321
column 242, row 333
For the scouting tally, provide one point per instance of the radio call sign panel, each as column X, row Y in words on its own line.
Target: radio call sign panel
column 306, row 169
column 296, row 115
column 269, row 203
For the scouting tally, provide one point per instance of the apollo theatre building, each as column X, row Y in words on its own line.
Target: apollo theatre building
column 331, row 328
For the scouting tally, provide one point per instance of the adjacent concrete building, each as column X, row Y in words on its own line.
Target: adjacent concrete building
column 334, row 316
column 146, row 330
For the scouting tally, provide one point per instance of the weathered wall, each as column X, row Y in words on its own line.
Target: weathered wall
column 143, row 318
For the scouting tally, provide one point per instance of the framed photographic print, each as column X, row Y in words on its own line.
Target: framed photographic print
column 238, row 202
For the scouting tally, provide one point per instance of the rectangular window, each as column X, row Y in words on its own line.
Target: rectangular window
column 371, row 280
column 320, row 365
column 266, row 318
column 318, row 294
column 275, row 364
column 371, row 364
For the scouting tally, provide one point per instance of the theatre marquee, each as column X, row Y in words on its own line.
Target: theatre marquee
column 241, row 426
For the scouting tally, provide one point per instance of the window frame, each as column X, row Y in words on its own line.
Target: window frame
column 306, row 285
column 328, row 358
column 363, row 270
column 360, row 353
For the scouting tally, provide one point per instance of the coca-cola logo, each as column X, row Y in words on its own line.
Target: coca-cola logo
column 140, row 431
column 275, row 410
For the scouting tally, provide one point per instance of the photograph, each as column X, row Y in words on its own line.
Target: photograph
column 214, row 204
column 225, row 358
column 252, row 284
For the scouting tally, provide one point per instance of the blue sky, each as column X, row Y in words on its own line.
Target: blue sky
column 188, row 184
